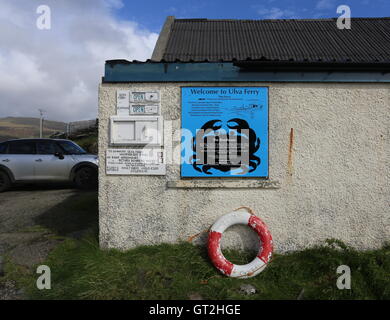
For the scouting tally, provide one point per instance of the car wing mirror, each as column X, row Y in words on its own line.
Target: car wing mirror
column 59, row 155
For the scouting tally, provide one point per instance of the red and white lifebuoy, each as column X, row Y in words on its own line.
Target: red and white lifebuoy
column 214, row 245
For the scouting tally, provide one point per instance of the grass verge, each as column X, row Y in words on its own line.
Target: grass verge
column 80, row 270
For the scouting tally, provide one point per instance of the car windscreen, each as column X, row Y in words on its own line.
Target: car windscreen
column 71, row 148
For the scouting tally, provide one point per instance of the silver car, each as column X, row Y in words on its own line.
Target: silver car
column 36, row 160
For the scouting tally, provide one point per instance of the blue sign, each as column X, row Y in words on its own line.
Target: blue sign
column 224, row 132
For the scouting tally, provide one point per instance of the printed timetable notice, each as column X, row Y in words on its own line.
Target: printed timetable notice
column 135, row 162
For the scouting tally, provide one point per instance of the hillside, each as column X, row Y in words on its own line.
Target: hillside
column 17, row 127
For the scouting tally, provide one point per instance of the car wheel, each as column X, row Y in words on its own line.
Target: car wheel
column 5, row 182
column 86, row 178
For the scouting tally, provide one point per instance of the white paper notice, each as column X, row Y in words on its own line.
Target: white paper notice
column 135, row 161
column 122, row 102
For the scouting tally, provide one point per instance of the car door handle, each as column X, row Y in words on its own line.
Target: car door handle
column 6, row 160
column 38, row 160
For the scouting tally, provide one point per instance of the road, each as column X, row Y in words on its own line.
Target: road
column 21, row 205
column 31, row 215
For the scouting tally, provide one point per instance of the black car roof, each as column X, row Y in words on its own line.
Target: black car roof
column 35, row 139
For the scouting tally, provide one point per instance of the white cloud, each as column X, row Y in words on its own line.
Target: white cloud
column 16, row 66
column 59, row 70
column 117, row 4
column 276, row 13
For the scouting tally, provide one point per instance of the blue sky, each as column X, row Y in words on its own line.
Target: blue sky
column 60, row 68
column 151, row 14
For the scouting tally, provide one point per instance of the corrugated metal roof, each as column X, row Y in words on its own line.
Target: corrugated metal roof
column 309, row 40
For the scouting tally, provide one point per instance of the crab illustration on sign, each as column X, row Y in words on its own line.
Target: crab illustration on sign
column 231, row 149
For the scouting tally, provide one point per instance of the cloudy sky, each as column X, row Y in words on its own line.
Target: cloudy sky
column 59, row 69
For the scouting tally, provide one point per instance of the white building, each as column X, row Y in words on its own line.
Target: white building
column 317, row 100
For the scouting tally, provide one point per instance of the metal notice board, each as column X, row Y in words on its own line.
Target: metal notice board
column 224, row 132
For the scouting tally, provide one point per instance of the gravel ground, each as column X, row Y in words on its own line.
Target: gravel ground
column 9, row 291
column 21, row 239
column 21, row 205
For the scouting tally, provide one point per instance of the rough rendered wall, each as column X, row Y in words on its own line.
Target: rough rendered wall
column 336, row 184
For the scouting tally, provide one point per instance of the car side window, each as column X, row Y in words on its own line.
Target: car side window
column 3, row 148
column 47, row 147
column 21, row 147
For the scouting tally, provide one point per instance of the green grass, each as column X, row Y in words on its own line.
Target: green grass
column 80, row 270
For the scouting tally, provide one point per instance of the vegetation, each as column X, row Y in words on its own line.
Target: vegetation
column 14, row 127
column 80, row 270
column 88, row 142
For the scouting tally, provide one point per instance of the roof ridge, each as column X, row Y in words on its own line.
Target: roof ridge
column 251, row 20
column 311, row 40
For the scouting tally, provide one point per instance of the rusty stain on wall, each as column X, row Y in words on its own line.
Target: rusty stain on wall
column 290, row 154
